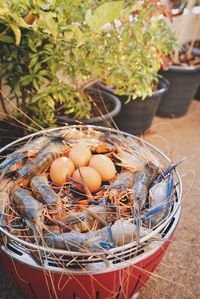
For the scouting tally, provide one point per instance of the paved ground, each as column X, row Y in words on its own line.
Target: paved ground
column 179, row 271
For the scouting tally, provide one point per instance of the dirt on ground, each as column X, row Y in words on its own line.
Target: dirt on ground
column 178, row 275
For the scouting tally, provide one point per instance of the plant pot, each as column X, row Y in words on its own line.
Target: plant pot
column 136, row 117
column 103, row 119
column 184, row 82
column 197, row 95
column 101, row 86
column 10, row 132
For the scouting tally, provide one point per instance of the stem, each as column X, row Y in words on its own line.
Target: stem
column 23, row 113
column 180, row 11
column 88, row 84
column 185, row 23
column 194, row 36
column 17, row 100
column 23, row 98
column 2, row 99
column 23, row 93
column 3, row 32
column 191, row 4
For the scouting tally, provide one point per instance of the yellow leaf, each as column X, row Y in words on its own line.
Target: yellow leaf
column 17, row 33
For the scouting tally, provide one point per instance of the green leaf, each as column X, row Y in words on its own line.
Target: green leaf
column 73, row 32
column 47, row 23
column 32, row 45
column 36, row 98
column 36, row 84
column 33, row 61
column 103, row 14
column 6, row 39
column 149, row 91
column 43, row 73
column 50, row 102
column 26, row 80
column 17, row 33
column 20, row 21
column 36, row 68
column 48, row 48
column 4, row 10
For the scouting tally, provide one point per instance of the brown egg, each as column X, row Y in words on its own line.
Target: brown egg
column 90, row 176
column 80, row 154
column 104, row 165
column 60, row 169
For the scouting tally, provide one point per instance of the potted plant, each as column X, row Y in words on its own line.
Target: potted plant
column 184, row 71
column 197, row 95
column 144, row 41
column 49, row 57
column 51, row 53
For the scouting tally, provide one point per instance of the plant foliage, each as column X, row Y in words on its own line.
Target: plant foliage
column 50, row 51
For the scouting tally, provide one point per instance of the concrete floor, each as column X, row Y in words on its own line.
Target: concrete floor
column 178, row 276
column 179, row 271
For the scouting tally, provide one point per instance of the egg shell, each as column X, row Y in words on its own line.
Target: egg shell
column 60, row 169
column 90, row 176
column 104, row 165
column 80, row 154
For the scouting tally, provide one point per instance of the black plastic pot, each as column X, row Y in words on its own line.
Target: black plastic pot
column 101, row 86
column 9, row 133
column 184, row 82
column 197, row 95
column 136, row 117
column 104, row 120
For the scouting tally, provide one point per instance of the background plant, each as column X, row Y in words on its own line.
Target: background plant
column 50, row 51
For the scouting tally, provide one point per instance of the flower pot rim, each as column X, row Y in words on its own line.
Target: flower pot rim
column 163, row 86
column 184, row 68
column 96, row 119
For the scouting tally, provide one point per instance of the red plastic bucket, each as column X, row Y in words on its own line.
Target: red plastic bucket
column 35, row 282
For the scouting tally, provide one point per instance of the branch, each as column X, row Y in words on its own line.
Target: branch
column 185, row 23
column 2, row 99
column 88, row 84
column 194, row 36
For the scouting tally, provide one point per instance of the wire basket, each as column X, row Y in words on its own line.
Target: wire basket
column 115, row 273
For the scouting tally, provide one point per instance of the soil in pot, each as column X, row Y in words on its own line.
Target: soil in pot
column 136, row 117
column 105, row 107
column 196, row 50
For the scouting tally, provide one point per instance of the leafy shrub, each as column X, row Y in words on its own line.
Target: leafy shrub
column 50, row 51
